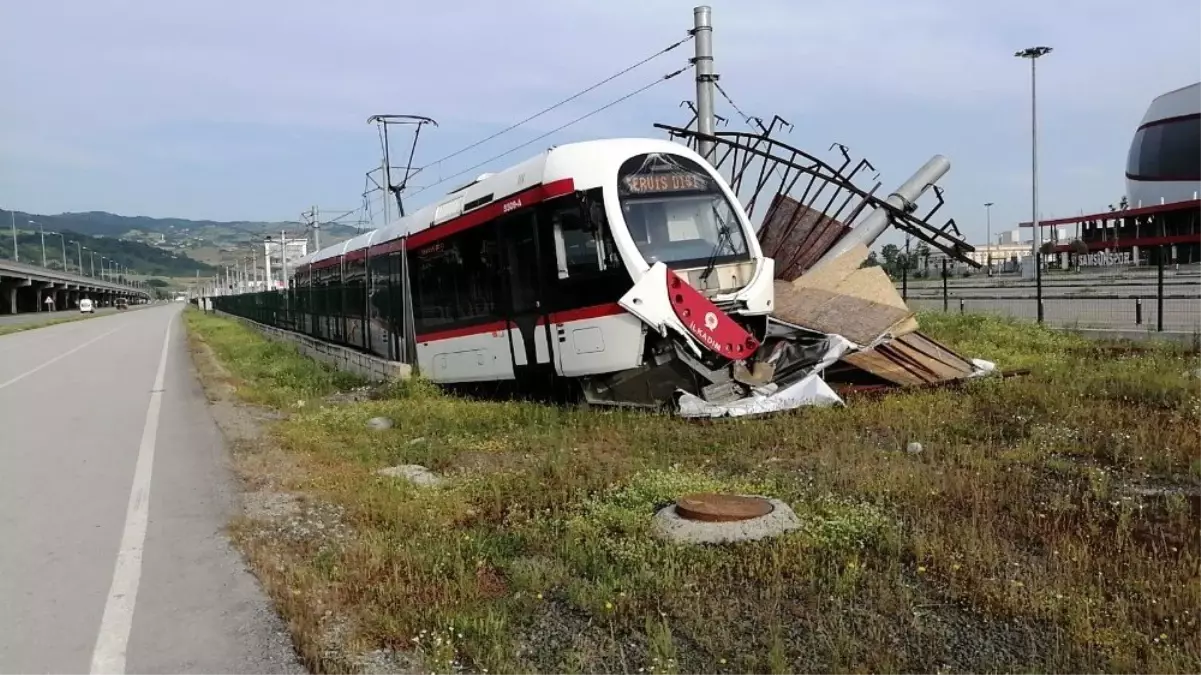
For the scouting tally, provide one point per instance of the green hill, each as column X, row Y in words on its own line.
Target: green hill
column 97, row 251
column 207, row 241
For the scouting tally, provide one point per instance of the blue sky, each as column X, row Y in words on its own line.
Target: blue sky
column 256, row 109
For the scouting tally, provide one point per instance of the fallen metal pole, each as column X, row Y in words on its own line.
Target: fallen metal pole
column 903, row 198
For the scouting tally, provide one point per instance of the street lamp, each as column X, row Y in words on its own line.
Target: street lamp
column 1033, row 53
column 79, row 250
column 43, row 233
column 988, row 228
column 63, row 241
column 12, row 217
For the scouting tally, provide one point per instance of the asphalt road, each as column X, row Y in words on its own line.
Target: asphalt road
column 114, row 492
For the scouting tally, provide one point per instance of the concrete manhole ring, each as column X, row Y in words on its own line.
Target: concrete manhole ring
column 720, row 508
column 721, row 519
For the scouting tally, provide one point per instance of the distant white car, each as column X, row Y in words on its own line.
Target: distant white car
column 86, row 307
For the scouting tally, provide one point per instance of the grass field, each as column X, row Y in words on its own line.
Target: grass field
column 8, row 328
column 1050, row 523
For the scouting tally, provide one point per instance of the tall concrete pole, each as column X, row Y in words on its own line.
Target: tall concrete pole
column 16, row 248
column 316, row 228
column 283, row 257
column 904, row 198
column 267, row 259
column 702, row 27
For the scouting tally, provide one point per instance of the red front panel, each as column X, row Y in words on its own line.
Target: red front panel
column 713, row 327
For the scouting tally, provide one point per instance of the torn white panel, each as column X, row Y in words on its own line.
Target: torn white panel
column 649, row 300
column 982, row 367
column 812, row 390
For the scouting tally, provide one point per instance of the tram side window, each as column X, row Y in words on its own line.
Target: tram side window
column 434, row 272
column 582, row 239
column 477, row 274
column 355, row 285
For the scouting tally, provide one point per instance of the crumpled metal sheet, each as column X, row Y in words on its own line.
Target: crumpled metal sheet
column 810, row 389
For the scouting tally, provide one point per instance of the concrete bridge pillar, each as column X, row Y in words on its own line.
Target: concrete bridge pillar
column 41, row 290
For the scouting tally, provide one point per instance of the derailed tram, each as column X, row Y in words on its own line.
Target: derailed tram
column 620, row 271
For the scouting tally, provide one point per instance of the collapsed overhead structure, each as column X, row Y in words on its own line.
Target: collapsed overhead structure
column 836, row 323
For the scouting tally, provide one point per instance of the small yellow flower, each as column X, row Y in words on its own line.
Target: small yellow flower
column 955, row 567
column 539, row 596
column 921, row 569
column 608, row 605
column 722, row 661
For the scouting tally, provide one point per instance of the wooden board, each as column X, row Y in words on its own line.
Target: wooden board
column 839, row 297
column 912, row 360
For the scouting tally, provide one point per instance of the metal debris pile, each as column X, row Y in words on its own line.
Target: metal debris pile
column 836, row 326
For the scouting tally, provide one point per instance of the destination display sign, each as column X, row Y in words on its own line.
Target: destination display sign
column 673, row 181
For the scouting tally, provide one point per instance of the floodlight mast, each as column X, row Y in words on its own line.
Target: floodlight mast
column 384, row 121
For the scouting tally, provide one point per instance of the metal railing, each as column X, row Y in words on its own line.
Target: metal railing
column 1151, row 304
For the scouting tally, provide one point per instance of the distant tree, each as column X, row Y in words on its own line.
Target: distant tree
column 872, row 260
column 891, row 254
column 923, row 253
column 1047, row 247
column 1079, row 247
column 1123, row 204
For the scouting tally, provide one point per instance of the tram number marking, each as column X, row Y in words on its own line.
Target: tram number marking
column 510, row 205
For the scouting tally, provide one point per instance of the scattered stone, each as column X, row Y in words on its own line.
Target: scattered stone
column 720, row 519
column 379, row 423
column 415, row 441
column 414, row 473
column 913, row 448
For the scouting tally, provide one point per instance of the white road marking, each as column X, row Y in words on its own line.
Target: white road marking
column 113, row 638
column 60, row 356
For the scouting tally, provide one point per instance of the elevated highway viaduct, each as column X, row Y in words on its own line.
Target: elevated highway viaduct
column 24, row 288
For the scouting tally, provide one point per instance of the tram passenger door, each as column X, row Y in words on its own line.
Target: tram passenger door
column 526, row 259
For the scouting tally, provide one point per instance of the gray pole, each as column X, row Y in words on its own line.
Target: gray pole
column 1038, row 232
column 267, row 259
column 702, row 22
column 62, row 239
column 283, row 257
column 316, row 228
column 42, row 230
column 988, row 225
column 1033, row 53
column 79, row 250
column 92, row 255
column 16, row 249
column 903, row 198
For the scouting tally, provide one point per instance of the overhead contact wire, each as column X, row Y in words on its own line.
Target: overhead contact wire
column 557, row 129
column 565, row 101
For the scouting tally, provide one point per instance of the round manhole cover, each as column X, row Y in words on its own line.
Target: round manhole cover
column 721, row 508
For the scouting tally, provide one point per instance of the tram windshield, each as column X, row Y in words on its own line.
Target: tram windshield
column 676, row 212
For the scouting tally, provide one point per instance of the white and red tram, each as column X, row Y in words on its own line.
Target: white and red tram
column 625, row 268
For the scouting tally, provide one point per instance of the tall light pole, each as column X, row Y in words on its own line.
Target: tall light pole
column 988, row 229
column 16, row 249
column 41, row 231
column 79, row 250
column 63, row 240
column 1033, row 53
